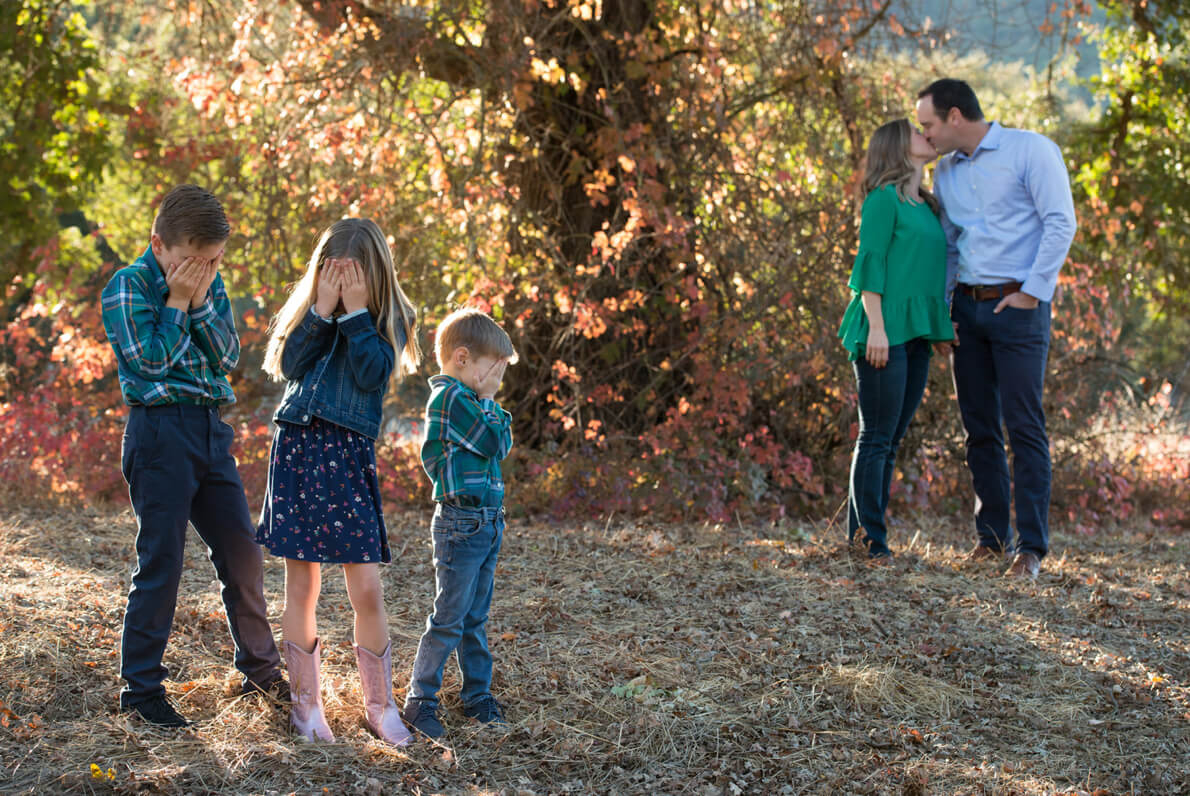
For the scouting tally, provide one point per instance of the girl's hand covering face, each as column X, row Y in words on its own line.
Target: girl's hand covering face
column 353, row 286
column 327, row 295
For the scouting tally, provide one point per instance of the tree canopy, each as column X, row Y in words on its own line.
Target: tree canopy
column 654, row 197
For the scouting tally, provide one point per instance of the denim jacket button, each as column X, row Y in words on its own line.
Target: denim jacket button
column 305, row 418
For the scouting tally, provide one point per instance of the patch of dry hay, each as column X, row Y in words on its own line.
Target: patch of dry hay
column 901, row 691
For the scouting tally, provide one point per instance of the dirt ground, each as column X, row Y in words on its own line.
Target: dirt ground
column 637, row 658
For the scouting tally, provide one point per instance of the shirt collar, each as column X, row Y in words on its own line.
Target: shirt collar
column 991, row 140
column 158, row 275
column 442, row 379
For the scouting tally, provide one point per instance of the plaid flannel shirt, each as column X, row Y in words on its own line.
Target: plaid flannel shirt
column 466, row 438
column 164, row 355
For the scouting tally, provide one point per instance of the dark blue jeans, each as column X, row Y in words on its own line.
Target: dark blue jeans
column 888, row 397
column 179, row 468
column 466, row 546
column 999, row 374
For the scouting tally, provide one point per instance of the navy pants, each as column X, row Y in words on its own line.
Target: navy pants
column 888, row 398
column 999, row 374
column 179, row 468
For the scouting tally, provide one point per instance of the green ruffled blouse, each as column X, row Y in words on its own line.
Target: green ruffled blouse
column 902, row 256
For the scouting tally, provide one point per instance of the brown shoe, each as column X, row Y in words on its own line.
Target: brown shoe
column 1025, row 565
column 982, row 553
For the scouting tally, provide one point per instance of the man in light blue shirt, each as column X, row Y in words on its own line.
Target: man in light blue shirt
column 1010, row 221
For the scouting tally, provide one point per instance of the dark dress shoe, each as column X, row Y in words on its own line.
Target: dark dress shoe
column 158, row 711
column 984, row 553
column 276, row 691
column 1025, row 565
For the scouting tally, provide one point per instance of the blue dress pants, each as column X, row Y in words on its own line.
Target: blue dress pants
column 178, row 464
column 999, row 373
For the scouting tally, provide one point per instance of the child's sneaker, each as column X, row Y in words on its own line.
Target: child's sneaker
column 422, row 716
column 486, row 710
column 158, row 711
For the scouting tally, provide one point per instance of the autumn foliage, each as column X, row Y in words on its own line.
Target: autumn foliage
column 653, row 197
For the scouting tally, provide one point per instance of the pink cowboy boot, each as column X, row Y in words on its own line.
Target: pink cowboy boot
column 376, row 681
column 305, row 713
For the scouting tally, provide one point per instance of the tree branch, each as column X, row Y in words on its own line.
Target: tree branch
column 402, row 41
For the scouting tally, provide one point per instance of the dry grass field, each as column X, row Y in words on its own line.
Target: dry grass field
column 642, row 659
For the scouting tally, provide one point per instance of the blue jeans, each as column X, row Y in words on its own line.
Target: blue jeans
column 999, row 374
column 466, row 544
column 179, row 468
column 888, row 397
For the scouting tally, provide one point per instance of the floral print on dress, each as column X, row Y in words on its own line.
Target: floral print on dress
column 323, row 499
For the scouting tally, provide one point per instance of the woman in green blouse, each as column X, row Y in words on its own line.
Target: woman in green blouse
column 898, row 307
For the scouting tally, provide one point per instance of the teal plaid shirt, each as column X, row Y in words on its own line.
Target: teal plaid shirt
column 466, row 438
column 167, row 356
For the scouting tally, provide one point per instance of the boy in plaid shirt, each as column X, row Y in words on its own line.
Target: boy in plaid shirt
column 467, row 435
column 169, row 322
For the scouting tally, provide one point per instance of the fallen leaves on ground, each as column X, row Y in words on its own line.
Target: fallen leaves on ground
column 638, row 658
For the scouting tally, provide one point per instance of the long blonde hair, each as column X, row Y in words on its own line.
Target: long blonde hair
column 888, row 163
column 361, row 240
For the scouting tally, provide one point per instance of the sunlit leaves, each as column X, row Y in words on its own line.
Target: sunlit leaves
column 54, row 140
column 653, row 196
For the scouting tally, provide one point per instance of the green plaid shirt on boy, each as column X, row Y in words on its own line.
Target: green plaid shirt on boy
column 466, row 438
column 164, row 355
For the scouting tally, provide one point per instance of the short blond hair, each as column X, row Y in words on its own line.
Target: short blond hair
column 477, row 332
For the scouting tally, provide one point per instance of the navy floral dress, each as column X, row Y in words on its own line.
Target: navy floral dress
column 323, row 499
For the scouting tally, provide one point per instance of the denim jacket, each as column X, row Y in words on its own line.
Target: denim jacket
column 336, row 370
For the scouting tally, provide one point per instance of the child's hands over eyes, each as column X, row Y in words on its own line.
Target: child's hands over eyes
column 489, row 382
column 329, row 280
column 207, row 271
column 184, row 280
column 354, row 286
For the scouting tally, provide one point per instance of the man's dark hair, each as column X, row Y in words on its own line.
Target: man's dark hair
column 950, row 93
column 191, row 215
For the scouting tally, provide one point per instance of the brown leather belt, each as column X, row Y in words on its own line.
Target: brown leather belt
column 989, row 292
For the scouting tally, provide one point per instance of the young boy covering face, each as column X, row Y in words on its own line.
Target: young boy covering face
column 467, row 435
column 169, row 321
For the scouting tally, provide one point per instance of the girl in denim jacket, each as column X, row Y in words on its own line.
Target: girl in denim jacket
column 333, row 343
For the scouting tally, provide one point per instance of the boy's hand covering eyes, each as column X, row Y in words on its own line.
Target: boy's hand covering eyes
column 184, row 279
column 489, row 382
column 207, row 270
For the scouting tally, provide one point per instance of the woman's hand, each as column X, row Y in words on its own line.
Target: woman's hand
column 328, row 288
column 353, row 287
column 876, row 350
column 944, row 348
